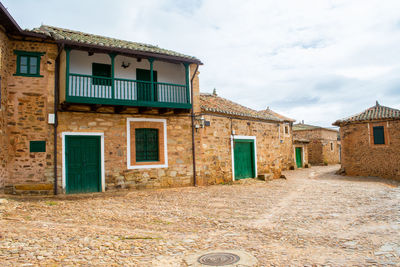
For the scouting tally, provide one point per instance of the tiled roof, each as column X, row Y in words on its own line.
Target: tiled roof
column 376, row 112
column 215, row 104
column 77, row 37
column 305, row 127
column 268, row 111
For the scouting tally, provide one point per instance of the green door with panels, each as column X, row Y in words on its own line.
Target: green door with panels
column 299, row 160
column 83, row 167
column 144, row 89
column 244, row 159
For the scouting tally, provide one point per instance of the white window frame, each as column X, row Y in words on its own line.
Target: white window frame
column 128, row 144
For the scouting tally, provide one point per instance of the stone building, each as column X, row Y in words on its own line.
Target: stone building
column 323, row 147
column 85, row 112
column 300, row 152
column 285, row 138
column 371, row 142
column 236, row 142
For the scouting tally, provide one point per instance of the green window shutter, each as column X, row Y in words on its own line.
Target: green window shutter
column 101, row 70
column 146, row 142
column 37, row 146
column 28, row 63
column 379, row 135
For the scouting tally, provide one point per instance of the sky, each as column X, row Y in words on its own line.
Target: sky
column 311, row 60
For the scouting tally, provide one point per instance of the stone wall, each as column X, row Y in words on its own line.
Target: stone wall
column 114, row 126
column 361, row 157
column 214, row 150
column 30, row 100
column 319, row 148
column 4, row 73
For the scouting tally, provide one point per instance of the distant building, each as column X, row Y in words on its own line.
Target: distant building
column 371, row 142
column 323, row 147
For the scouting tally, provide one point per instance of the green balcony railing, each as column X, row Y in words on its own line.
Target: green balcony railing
column 90, row 89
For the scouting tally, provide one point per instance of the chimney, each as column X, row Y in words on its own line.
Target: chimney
column 215, row 92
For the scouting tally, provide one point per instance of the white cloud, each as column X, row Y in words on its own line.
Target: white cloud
column 317, row 60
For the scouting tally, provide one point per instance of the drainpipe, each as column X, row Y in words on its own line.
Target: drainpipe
column 193, row 139
column 56, row 99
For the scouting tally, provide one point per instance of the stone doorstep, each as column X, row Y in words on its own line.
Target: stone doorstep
column 29, row 189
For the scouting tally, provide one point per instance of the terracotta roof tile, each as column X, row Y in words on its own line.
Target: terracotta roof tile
column 305, row 127
column 268, row 111
column 215, row 104
column 376, row 112
column 60, row 34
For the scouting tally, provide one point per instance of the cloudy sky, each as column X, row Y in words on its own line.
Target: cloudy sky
column 316, row 61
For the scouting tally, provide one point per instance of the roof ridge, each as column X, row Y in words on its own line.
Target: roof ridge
column 220, row 107
column 376, row 112
column 97, row 35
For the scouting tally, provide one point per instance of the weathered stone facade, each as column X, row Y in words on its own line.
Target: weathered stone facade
column 214, row 149
column 360, row 156
column 324, row 147
column 4, row 73
column 114, row 126
column 26, row 101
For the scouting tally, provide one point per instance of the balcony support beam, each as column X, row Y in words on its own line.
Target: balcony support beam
column 164, row 110
column 187, row 82
column 67, row 54
column 144, row 109
column 151, row 60
column 112, row 56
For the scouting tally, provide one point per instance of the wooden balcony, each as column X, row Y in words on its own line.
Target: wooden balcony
column 88, row 89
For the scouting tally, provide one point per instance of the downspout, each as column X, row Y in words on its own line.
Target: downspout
column 56, row 99
column 193, row 139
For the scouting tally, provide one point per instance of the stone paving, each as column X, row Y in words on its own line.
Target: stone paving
column 312, row 218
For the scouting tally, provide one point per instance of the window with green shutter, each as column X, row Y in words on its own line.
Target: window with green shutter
column 379, row 135
column 101, row 70
column 146, row 143
column 28, row 63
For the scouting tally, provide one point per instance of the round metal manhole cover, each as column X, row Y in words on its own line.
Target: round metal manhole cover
column 218, row 259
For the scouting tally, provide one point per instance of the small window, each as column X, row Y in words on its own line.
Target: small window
column 28, row 63
column 286, row 129
column 146, row 143
column 101, row 70
column 331, row 146
column 37, row 146
column 379, row 135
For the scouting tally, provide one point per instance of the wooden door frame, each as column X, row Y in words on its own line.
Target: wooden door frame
column 302, row 154
column 64, row 165
column 239, row 137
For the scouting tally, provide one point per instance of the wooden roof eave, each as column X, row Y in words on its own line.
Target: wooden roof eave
column 127, row 52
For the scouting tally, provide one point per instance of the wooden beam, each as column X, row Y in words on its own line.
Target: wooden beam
column 65, row 106
column 95, row 107
column 119, row 109
column 145, row 109
column 181, row 110
column 164, row 110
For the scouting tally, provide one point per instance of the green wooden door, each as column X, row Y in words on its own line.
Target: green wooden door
column 83, row 167
column 244, row 159
column 144, row 89
column 299, row 160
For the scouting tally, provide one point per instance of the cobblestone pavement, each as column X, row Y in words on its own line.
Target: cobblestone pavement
column 313, row 218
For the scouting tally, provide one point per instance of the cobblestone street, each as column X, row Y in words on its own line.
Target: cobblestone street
column 312, row 218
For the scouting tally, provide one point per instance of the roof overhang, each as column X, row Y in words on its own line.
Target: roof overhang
column 127, row 52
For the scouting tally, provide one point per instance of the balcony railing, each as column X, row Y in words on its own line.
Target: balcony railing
column 116, row 91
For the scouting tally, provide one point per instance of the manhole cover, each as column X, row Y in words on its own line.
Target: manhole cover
column 218, row 259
